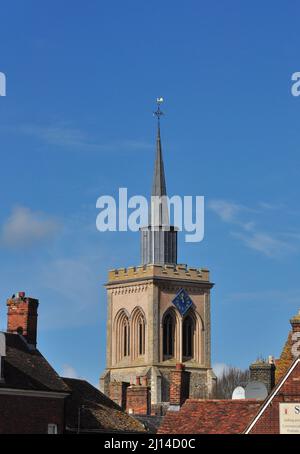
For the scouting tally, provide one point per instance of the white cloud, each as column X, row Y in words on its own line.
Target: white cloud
column 265, row 243
column 72, row 138
column 69, row 371
column 271, row 206
column 227, row 211
column 268, row 244
column 55, row 135
column 219, row 368
column 25, row 227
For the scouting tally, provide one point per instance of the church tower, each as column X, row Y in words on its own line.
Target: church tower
column 158, row 313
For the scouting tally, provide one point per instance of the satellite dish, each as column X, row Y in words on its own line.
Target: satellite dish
column 238, row 393
column 256, row 390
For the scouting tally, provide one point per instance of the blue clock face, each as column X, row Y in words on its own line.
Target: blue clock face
column 182, row 301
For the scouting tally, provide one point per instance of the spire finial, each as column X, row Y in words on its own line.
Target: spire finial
column 158, row 113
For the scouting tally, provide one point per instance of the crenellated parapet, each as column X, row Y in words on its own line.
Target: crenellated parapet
column 158, row 271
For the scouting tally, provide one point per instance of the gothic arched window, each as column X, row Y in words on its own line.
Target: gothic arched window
column 188, row 329
column 122, row 336
column 169, row 335
column 141, row 336
column 126, row 339
column 138, row 328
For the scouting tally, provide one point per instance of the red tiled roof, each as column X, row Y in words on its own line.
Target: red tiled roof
column 288, row 386
column 210, row 417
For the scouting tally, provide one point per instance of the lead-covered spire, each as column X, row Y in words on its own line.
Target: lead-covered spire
column 159, row 239
column 159, row 210
column 159, row 180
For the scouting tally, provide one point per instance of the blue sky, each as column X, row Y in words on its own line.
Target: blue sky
column 77, row 123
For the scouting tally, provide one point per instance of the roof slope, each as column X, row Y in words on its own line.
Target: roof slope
column 98, row 412
column 286, row 359
column 210, row 417
column 26, row 368
column 288, row 386
column 151, row 422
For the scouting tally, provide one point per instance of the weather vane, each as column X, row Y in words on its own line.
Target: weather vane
column 158, row 113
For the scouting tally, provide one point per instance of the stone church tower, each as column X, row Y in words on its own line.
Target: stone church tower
column 158, row 313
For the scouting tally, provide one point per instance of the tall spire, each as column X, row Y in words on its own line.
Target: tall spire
column 159, row 239
column 159, row 180
column 159, row 215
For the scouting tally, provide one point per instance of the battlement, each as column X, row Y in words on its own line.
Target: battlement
column 152, row 271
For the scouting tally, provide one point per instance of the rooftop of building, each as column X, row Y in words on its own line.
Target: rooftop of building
column 150, row 422
column 24, row 367
column 98, row 413
column 286, row 358
column 290, row 379
column 198, row 416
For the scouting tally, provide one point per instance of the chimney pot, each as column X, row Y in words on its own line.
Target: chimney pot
column 138, row 381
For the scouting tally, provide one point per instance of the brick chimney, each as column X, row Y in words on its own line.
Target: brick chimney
column 179, row 386
column 138, row 398
column 264, row 372
column 22, row 316
column 117, row 393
